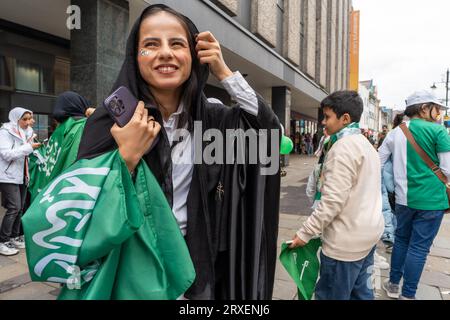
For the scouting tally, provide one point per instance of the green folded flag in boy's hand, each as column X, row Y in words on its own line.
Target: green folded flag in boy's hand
column 303, row 266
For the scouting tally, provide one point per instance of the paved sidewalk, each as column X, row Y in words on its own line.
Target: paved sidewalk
column 15, row 282
column 435, row 281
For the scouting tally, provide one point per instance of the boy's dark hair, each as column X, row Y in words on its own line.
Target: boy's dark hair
column 342, row 102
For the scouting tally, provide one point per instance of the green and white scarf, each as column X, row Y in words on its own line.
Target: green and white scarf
column 351, row 129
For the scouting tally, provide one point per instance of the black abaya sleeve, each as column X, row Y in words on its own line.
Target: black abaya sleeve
column 97, row 139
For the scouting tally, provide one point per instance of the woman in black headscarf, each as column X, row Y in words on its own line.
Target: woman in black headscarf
column 70, row 112
column 226, row 212
column 71, row 104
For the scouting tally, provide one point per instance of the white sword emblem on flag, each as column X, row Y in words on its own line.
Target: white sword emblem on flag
column 305, row 265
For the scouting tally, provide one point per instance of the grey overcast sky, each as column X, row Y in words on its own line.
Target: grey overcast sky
column 404, row 46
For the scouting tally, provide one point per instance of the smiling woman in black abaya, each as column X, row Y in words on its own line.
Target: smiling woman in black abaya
column 225, row 211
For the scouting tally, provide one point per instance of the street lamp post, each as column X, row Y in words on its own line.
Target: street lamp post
column 446, row 90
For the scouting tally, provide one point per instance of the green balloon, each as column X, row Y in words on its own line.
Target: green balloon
column 286, row 145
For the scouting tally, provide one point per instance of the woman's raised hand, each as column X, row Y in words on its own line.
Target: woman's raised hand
column 209, row 51
column 136, row 137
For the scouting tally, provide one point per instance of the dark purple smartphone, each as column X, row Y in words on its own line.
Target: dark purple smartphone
column 121, row 105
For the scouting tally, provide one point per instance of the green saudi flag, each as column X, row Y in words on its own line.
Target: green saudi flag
column 106, row 237
column 36, row 169
column 60, row 152
column 303, row 265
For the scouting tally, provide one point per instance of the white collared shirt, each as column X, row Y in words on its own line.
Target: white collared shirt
column 183, row 152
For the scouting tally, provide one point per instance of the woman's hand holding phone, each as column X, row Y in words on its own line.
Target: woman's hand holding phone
column 136, row 137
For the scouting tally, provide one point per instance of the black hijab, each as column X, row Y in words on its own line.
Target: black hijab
column 97, row 139
column 131, row 78
column 70, row 104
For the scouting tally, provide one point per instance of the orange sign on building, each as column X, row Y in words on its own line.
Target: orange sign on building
column 354, row 51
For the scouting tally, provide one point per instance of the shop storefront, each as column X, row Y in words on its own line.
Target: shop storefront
column 302, row 123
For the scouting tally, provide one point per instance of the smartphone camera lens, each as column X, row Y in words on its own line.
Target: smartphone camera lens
column 117, row 106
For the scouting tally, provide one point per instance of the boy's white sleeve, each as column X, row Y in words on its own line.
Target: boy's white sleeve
column 385, row 150
column 444, row 163
column 340, row 171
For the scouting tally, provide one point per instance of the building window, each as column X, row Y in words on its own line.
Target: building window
column 61, row 75
column 27, row 76
column 280, row 27
column 34, row 78
column 43, row 126
column 46, row 80
column 5, row 79
column 303, row 21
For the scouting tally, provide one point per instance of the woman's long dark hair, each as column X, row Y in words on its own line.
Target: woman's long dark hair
column 398, row 120
column 190, row 87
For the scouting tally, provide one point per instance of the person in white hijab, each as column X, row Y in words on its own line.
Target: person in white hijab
column 14, row 150
column 29, row 133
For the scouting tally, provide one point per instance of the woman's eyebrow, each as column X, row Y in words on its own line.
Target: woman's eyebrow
column 151, row 39
column 159, row 39
column 178, row 39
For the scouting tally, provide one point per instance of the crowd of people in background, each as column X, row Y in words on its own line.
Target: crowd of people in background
column 305, row 143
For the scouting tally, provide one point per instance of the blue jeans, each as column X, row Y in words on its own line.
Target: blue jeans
column 416, row 230
column 389, row 218
column 341, row 280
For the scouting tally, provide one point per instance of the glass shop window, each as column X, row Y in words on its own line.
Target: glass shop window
column 42, row 126
column 33, row 77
